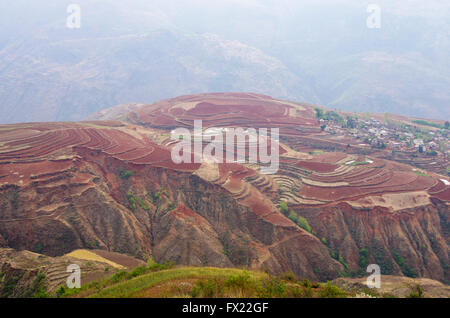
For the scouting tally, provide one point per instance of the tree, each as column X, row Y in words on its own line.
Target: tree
column 292, row 216
column 319, row 113
column 421, row 149
column 303, row 223
column 351, row 122
column 284, row 207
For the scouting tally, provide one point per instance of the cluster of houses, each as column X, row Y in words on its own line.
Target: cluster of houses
column 372, row 132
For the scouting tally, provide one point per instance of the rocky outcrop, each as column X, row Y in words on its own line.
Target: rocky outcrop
column 411, row 242
column 174, row 216
column 396, row 286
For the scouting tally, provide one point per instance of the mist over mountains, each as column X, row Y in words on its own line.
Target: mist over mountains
column 142, row 51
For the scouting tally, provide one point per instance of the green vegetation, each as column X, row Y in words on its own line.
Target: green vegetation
column 303, row 223
column 331, row 115
column 92, row 244
column 319, row 113
column 363, row 258
column 407, row 271
column 208, row 282
column 332, row 291
column 423, row 174
column 15, row 199
column 382, row 260
column 380, row 144
column 237, row 251
column 416, row 292
column 342, row 261
column 125, row 174
column 427, row 123
column 293, row 216
column 157, row 195
column 300, row 221
column 38, row 288
column 359, row 163
column 172, row 205
column 131, row 201
column 116, row 278
column 219, row 282
column 9, row 286
column 398, row 259
column 337, row 256
column 130, row 288
column 316, row 152
column 143, row 203
column 284, row 208
column 38, row 247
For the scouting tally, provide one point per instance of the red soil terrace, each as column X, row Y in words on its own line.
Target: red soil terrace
column 227, row 110
column 32, row 149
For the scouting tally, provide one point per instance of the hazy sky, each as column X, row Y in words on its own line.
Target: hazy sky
column 402, row 66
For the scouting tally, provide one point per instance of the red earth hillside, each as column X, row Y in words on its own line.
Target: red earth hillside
column 112, row 185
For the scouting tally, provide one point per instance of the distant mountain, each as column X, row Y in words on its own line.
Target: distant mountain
column 315, row 51
column 67, row 80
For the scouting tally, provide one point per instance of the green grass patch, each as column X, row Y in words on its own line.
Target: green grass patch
column 130, row 287
column 427, row 123
column 422, row 174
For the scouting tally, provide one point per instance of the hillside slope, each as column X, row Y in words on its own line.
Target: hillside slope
column 112, row 185
column 27, row 274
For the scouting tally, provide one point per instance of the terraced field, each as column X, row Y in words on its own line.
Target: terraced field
column 327, row 177
column 228, row 110
column 113, row 186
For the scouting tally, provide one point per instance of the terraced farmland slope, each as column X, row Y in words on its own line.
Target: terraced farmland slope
column 29, row 274
column 111, row 185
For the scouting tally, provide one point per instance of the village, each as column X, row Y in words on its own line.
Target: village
column 420, row 143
